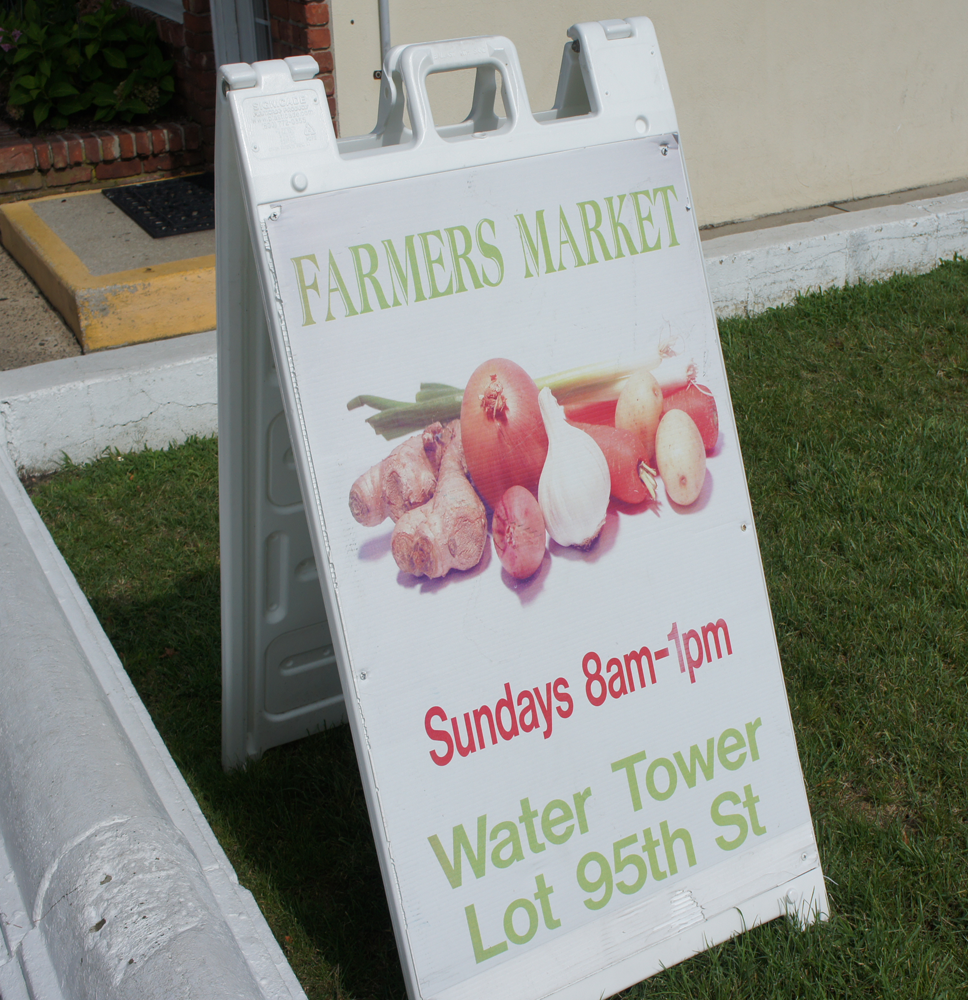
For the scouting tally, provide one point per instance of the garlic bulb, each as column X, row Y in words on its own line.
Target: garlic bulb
column 574, row 486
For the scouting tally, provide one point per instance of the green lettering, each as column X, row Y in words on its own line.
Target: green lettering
column 528, row 907
column 512, row 840
column 750, row 804
column 649, row 846
column 670, row 771
column 567, row 238
column 643, row 219
column 730, row 742
column 556, row 813
column 462, row 844
column 432, row 262
column 340, row 288
column 619, row 229
column 664, row 191
column 751, row 728
column 588, row 228
column 706, row 764
column 530, row 247
column 628, row 763
column 481, row 954
column 527, row 818
column 462, row 256
column 669, row 843
column 491, row 252
column 304, row 288
column 544, row 891
column 729, row 819
column 400, row 273
column 368, row 275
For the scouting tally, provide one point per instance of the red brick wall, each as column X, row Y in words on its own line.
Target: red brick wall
column 81, row 160
column 190, row 46
column 301, row 27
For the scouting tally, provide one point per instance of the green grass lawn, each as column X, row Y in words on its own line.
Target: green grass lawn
column 852, row 409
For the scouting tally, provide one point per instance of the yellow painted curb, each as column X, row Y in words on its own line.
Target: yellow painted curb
column 110, row 310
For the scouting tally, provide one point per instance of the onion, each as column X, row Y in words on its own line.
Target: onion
column 519, row 532
column 505, row 443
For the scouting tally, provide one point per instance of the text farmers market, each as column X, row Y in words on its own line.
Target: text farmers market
column 419, row 267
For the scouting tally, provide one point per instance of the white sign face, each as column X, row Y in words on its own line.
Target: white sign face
column 586, row 768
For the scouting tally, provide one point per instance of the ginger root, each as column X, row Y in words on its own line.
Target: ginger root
column 405, row 479
column 450, row 531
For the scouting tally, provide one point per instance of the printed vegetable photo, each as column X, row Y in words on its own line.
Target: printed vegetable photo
column 530, row 461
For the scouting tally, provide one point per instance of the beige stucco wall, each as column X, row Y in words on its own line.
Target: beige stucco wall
column 780, row 105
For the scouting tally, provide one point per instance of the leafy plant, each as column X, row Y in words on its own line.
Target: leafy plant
column 53, row 68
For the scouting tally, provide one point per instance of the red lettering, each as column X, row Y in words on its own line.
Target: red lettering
column 594, row 677
column 616, row 690
column 439, row 735
column 636, row 659
column 528, row 716
column 713, row 630
column 506, row 703
column 693, row 662
column 471, row 746
column 484, row 712
column 567, row 705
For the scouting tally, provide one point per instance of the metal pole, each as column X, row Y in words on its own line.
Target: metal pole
column 384, row 8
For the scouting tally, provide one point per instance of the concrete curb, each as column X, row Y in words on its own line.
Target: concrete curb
column 112, row 884
column 126, row 306
column 145, row 396
column 151, row 395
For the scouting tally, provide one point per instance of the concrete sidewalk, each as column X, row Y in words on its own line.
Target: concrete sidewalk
column 31, row 330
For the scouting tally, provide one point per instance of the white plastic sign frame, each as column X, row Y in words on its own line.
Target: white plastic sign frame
column 554, row 816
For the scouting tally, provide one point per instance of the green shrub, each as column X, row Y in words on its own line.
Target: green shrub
column 103, row 64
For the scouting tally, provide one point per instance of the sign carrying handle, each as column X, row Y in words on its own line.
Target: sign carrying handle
column 412, row 64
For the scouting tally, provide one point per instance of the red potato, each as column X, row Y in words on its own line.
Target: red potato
column 698, row 402
column 632, row 480
column 518, row 529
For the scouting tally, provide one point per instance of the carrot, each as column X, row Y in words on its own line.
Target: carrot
column 698, row 402
column 405, row 479
column 631, row 477
column 600, row 411
column 450, row 531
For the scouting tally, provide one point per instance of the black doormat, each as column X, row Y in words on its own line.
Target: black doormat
column 169, row 208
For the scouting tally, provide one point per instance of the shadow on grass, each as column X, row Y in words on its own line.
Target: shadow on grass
column 294, row 824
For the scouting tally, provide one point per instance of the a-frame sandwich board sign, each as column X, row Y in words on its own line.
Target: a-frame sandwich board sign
column 580, row 773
